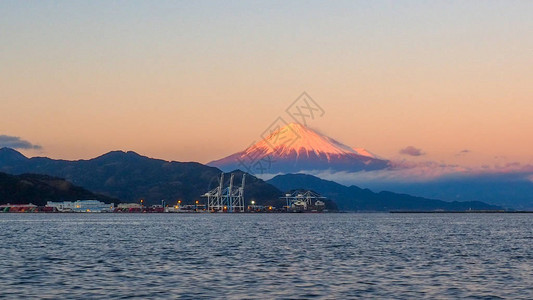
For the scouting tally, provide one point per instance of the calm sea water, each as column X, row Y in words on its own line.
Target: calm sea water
column 266, row 256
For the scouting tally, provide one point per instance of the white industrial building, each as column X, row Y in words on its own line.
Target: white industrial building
column 82, row 206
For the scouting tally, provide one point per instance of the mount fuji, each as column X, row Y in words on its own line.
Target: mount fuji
column 296, row 148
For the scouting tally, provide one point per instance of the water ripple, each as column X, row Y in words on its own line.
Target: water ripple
column 275, row 256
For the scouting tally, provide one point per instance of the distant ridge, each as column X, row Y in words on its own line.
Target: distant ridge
column 353, row 198
column 10, row 155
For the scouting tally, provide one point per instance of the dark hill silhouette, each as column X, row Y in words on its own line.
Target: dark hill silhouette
column 38, row 189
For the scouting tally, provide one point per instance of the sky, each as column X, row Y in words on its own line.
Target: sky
column 439, row 81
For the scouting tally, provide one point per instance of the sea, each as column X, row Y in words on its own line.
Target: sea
column 266, row 256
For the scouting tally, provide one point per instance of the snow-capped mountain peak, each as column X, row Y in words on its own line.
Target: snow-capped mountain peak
column 295, row 148
column 296, row 138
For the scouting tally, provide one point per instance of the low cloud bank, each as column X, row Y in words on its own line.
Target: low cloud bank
column 405, row 172
column 16, row 142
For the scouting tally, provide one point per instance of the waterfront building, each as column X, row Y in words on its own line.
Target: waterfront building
column 82, row 206
column 129, row 205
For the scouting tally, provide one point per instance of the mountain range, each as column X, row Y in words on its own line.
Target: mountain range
column 130, row 177
column 296, row 148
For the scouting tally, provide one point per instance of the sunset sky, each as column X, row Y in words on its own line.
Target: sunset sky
column 199, row 80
